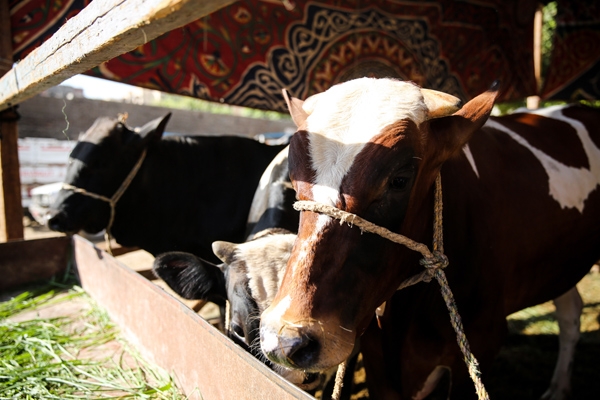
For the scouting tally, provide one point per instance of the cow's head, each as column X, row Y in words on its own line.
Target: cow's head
column 372, row 147
column 248, row 278
column 99, row 164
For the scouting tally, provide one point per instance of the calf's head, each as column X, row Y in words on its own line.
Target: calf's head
column 248, row 278
column 372, row 147
column 99, row 164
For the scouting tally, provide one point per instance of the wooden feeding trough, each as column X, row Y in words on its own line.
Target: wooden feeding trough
column 204, row 363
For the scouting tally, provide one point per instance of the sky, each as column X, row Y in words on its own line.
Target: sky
column 96, row 88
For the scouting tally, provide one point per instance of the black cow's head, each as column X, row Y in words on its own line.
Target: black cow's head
column 99, row 164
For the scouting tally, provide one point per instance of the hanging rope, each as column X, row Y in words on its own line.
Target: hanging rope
column 339, row 381
column 112, row 202
column 434, row 262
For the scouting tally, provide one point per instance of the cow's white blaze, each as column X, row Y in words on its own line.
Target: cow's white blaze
column 569, row 186
column 307, row 246
column 346, row 117
column 268, row 341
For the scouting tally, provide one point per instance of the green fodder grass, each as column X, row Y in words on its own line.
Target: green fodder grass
column 65, row 357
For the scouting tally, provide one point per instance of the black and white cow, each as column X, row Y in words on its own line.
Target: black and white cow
column 189, row 191
column 273, row 201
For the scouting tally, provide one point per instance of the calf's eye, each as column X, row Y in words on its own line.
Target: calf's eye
column 399, row 182
column 238, row 331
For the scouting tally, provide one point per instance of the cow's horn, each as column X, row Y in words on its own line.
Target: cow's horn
column 440, row 104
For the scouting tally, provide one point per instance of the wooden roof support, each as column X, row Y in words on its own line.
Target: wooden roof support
column 101, row 31
column 11, row 210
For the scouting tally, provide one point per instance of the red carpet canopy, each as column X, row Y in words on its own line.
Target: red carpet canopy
column 245, row 53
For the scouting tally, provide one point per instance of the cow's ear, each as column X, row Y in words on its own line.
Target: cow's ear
column 439, row 104
column 296, row 111
column 225, row 251
column 450, row 134
column 154, row 129
column 191, row 277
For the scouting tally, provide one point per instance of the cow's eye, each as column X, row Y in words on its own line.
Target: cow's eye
column 399, row 182
column 237, row 330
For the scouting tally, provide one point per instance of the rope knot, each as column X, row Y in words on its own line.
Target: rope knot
column 436, row 261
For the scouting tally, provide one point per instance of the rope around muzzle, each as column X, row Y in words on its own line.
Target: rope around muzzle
column 112, row 202
column 434, row 262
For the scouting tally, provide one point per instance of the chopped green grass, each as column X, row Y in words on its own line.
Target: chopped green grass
column 53, row 358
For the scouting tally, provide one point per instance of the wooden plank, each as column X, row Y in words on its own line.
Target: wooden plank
column 205, row 363
column 11, row 209
column 28, row 261
column 101, row 31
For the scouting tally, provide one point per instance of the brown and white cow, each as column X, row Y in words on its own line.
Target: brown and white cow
column 521, row 226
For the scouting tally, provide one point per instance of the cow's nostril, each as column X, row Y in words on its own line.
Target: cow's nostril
column 304, row 352
column 54, row 223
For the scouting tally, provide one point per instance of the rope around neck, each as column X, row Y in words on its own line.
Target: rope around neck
column 112, row 202
column 433, row 261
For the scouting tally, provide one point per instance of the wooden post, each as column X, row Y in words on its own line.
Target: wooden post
column 11, row 209
column 533, row 102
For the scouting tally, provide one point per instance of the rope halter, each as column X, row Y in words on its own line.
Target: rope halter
column 112, row 202
column 434, row 262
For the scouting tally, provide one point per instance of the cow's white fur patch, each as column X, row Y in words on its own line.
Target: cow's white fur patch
column 469, row 155
column 346, row 117
column 431, row 382
column 260, row 200
column 569, row 186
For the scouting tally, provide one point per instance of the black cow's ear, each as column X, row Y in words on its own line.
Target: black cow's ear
column 191, row 277
column 154, row 129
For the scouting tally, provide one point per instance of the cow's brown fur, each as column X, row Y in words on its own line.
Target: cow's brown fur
column 510, row 245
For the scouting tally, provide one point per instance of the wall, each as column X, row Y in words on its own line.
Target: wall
column 43, row 117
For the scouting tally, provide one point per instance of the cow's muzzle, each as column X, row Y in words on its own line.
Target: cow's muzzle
column 312, row 346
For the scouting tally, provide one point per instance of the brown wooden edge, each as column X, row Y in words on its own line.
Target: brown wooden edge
column 205, row 363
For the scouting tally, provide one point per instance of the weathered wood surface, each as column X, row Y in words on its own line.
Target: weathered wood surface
column 43, row 117
column 101, row 31
column 27, row 261
column 11, row 209
column 205, row 363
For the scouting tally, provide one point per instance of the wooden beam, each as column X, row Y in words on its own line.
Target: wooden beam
column 101, row 31
column 11, row 209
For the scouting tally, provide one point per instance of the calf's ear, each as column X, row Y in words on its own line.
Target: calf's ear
column 225, row 251
column 191, row 277
column 447, row 135
column 154, row 129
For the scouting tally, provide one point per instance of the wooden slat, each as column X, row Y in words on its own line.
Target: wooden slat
column 27, row 261
column 101, row 31
column 205, row 363
column 11, row 209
